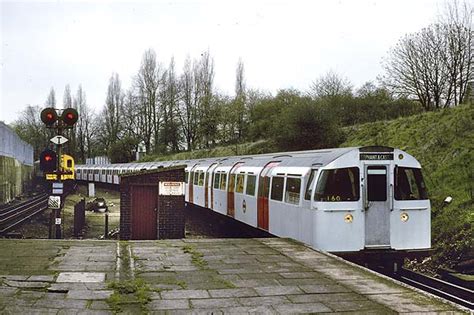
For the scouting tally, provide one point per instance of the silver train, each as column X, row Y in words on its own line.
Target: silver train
column 351, row 201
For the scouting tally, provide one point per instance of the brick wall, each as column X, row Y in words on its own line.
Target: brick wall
column 170, row 214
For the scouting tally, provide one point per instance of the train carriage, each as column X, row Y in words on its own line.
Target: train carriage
column 345, row 200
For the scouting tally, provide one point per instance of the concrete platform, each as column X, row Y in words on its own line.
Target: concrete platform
column 194, row 276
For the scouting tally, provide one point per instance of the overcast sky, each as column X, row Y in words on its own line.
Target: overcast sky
column 283, row 44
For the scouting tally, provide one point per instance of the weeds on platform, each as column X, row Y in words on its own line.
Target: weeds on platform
column 129, row 292
column 196, row 257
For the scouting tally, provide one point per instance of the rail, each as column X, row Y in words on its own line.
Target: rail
column 14, row 215
column 449, row 291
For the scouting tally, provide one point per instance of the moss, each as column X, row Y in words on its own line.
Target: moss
column 196, row 257
column 127, row 292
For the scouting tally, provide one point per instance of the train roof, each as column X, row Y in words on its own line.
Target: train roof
column 310, row 158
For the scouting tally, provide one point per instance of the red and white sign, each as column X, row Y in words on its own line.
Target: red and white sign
column 171, row 188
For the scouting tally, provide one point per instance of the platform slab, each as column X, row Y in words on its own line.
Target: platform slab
column 219, row 276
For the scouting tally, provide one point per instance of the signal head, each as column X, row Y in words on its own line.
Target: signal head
column 48, row 160
column 49, row 116
column 69, row 116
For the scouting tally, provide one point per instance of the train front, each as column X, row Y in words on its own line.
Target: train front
column 379, row 205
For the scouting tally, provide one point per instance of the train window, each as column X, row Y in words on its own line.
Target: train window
column 340, row 184
column 201, row 178
column 409, row 184
column 217, row 179
column 196, row 177
column 186, row 176
column 250, row 189
column 231, row 182
column 277, row 188
column 310, row 184
column 223, row 180
column 292, row 191
column 376, row 183
column 239, row 187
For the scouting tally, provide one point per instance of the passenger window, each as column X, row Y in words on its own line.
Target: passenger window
column 277, row 188
column 223, row 180
column 341, row 184
column 217, row 178
column 231, row 183
column 409, row 184
column 196, row 178
column 201, row 179
column 239, row 187
column 310, row 185
column 292, row 191
column 250, row 189
column 186, row 177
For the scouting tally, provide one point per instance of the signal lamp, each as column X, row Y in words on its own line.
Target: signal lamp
column 48, row 160
column 49, row 116
column 69, row 116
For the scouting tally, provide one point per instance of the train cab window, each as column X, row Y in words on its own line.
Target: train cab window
column 292, row 191
column 223, row 180
column 250, row 189
column 310, row 185
column 409, row 184
column 341, row 184
column 376, row 183
column 217, row 179
column 277, row 188
column 239, row 186
column 69, row 163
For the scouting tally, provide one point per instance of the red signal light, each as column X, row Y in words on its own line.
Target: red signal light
column 49, row 116
column 69, row 116
column 48, row 158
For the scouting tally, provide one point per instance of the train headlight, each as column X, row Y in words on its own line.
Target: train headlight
column 400, row 156
column 404, row 217
column 348, row 218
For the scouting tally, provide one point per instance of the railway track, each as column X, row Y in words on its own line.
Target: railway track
column 449, row 291
column 14, row 215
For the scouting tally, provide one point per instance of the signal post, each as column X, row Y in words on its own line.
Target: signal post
column 50, row 161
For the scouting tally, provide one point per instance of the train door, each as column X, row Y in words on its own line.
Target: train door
column 209, row 191
column 263, row 190
column 191, row 187
column 377, row 206
column 208, row 185
column 230, row 191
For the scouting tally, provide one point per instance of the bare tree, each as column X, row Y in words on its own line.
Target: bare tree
column 51, row 99
column 240, row 100
column 112, row 112
column 31, row 129
column 330, row 85
column 188, row 107
column 147, row 84
column 169, row 97
column 83, row 126
column 434, row 65
column 67, row 99
column 204, row 80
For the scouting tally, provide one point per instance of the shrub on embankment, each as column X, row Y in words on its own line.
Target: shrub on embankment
column 443, row 142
